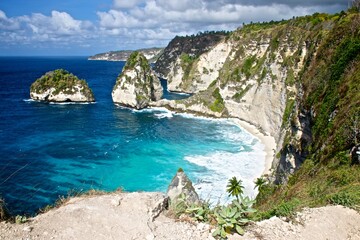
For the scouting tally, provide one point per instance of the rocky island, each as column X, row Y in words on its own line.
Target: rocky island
column 61, row 86
column 137, row 85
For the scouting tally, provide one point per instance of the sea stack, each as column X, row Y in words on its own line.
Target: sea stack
column 61, row 86
column 182, row 185
column 137, row 85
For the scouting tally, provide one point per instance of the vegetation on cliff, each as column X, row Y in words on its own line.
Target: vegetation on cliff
column 314, row 62
column 137, row 85
column 61, row 81
column 331, row 97
column 189, row 48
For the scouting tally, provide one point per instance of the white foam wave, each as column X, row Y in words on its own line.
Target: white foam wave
column 71, row 103
column 221, row 166
column 29, row 100
column 179, row 93
column 163, row 115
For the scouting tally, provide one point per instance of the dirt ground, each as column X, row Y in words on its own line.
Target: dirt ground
column 137, row 216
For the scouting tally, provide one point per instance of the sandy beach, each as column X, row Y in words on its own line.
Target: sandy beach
column 268, row 142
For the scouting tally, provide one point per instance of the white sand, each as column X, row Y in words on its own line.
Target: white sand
column 268, row 142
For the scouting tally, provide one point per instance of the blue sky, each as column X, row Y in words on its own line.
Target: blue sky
column 86, row 27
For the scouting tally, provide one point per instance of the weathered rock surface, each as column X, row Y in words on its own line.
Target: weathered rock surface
column 111, row 216
column 193, row 46
column 181, row 184
column 130, row 216
column 3, row 210
column 137, row 85
column 325, row 223
column 61, row 86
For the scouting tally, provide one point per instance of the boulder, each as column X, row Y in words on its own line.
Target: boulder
column 61, row 86
column 137, row 85
column 181, row 184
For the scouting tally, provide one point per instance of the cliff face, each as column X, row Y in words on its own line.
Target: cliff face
column 137, row 85
column 296, row 80
column 179, row 56
column 61, row 86
column 151, row 54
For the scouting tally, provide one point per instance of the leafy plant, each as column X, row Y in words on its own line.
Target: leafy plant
column 20, row 219
column 259, row 182
column 235, row 187
column 200, row 212
column 232, row 218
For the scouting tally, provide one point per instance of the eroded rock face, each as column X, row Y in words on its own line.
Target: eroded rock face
column 181, row 184
column 137, row 85
column 3, row 210
column 61, row 86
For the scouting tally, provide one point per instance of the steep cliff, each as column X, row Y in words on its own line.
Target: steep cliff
column 296, row 80
column 137, row 85
column 176, row 62
column 61, row 86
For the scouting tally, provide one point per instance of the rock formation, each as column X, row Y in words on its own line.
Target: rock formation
column 151, row 54
column 137, row 85
column 3, row 210
column 295, row 80
column 61, row 86
column 181, row 184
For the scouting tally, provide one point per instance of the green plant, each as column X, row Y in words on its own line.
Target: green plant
column 235, row 187
column 200, row 212
column 20, row 219
column 342, row 198
column 218, row 104
column 259, row 183
column 233, row 217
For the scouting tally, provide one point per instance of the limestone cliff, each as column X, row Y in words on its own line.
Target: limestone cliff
column 176, row 62
column 61, row 86
column 296, row 80
column 137, row 85
column 262, row 74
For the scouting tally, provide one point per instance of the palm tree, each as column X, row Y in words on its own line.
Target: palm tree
column 259, row 183
column 235, row 187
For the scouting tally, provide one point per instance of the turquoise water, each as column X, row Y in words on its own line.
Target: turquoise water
column 47, row 150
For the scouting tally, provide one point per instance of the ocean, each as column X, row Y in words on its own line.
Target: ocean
column 48, row 150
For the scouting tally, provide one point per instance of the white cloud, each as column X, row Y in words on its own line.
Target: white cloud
column 144, row 23
column 58, row 24
column 8, row 24
column 127, row 3
column 155, row 19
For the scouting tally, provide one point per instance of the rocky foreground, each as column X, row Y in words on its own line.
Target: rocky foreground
column 142, row 216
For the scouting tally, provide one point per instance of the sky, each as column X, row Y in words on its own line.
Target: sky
column 87, row 27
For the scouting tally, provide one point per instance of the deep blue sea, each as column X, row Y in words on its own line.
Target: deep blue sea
column 47, row 150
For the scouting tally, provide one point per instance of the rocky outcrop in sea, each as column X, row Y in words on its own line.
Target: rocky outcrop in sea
column 182, row 185
column 137, row 85
column 61, row 86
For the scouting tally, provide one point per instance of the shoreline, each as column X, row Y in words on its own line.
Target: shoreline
column 267, row 140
